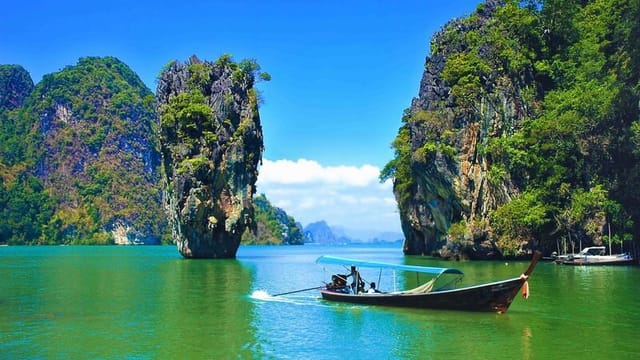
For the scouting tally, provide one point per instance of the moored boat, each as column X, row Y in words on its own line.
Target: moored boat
column 438, row 293
column 594, row 255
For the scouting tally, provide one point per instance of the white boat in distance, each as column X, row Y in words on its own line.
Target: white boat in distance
column 594, row 255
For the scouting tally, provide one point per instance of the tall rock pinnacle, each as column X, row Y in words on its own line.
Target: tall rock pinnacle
column 211, row 144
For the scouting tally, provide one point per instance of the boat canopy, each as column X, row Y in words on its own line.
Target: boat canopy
column 593, row 250
column 328, row 259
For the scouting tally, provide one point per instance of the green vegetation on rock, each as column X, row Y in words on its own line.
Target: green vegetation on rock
column 273, row 226
column 529, row 115
column 211, row 143
column 88, row 155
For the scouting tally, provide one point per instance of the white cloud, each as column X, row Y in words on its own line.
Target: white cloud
column 305, row 171
column 347, row 196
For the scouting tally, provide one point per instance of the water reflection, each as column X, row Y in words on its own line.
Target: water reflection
column 115, row 302
column 204, row 313
column 526, row 343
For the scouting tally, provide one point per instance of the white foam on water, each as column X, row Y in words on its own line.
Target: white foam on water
column 264, row 296
column 294, row 300
column 260, row 295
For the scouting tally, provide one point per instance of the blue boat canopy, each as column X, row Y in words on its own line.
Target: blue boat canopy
column 335, row 260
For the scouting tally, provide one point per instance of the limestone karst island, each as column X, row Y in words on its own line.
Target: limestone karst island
column 524, row 135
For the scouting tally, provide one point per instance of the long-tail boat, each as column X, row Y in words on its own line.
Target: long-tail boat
column 440, row 292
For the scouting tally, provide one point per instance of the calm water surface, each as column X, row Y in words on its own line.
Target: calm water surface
column 149, row 303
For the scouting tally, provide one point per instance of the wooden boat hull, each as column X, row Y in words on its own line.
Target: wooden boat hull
column 492, row 297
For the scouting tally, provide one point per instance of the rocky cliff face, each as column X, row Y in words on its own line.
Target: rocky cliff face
column 446, row 133
column 211, row 143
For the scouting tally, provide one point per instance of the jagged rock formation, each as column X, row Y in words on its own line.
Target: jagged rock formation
column 211, row 141
column 445, row 131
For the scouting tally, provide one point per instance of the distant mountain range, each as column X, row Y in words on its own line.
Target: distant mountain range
column 322, row 233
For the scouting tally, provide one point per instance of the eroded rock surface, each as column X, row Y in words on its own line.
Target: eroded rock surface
column 446, row 132
column 211, row 144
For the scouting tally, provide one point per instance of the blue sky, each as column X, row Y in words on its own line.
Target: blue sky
column 342, row 74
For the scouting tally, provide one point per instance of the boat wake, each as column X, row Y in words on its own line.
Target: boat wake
column 262, row 295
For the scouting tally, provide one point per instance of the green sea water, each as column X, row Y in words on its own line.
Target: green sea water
column 149, row 303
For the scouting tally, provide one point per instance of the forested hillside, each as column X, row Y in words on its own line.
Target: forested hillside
column 25, row 209
column 273, row 226
column 525, row 132
column 84, row 143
